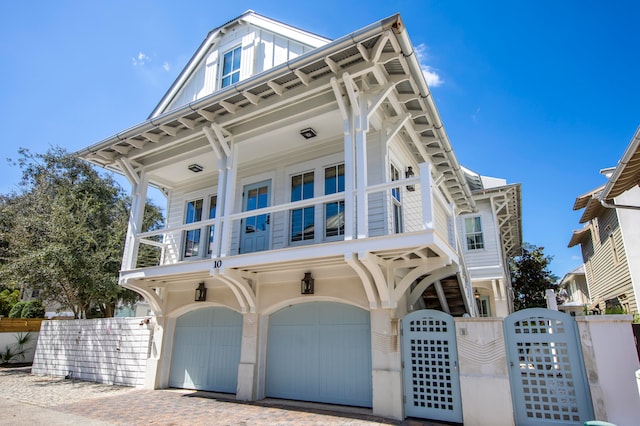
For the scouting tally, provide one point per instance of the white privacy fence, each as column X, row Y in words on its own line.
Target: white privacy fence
column 106, row 350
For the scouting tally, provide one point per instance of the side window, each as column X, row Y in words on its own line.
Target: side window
column 334, row 212
column 192, row 237
column 231, row 67
column 213, row 201
column 397, row 202
column 302, row 220
column 473, row 233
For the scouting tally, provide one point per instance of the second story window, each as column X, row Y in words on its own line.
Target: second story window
column 334, row 212
column 302, row 220
column 213, row 201
column 231, row 67
column 195, row 244
column 192, row 237
column 397, row 202
column 473, row 233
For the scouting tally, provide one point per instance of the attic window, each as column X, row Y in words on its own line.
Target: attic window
column 231, row 67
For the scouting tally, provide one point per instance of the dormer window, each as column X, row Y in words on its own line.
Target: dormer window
column 231, row 67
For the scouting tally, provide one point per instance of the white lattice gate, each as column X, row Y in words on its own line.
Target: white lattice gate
column 547, row 372
column 430, row 361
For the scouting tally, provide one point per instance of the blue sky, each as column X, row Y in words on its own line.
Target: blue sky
column 544, row 93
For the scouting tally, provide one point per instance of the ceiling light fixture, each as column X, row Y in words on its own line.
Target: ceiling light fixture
column 308, row 133
column 195, row 168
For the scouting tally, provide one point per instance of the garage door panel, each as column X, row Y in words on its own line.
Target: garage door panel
column 326, row 359
column 206, row 350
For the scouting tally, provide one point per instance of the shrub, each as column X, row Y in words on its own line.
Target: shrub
column 33, row 309
column 16, row 311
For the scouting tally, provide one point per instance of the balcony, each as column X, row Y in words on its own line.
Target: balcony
column 400, row 219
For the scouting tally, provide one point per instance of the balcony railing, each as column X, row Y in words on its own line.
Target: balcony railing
column 419, row 208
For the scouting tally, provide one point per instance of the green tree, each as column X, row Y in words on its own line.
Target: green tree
column 33, row 309
column 8, row 298
column 531, row 277
column 63, row 233
column 16, row 310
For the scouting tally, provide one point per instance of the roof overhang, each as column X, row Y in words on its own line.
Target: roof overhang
column 627, row 173
column 592, row 209
column 579, row 235
column 383, row 47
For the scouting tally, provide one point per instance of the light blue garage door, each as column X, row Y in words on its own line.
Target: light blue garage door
column 320, row 351
column 206, row 350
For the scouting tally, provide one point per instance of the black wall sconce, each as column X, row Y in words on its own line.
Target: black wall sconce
column 201, row 293
column 409, row 174
column 306, row 284
column 308, row 133
column 477, row 294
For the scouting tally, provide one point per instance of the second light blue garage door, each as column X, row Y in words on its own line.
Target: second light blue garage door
column 320, row 351
column 206, row 350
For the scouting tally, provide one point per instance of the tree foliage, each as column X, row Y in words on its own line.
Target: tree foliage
column 64, row 233
column 531, row 277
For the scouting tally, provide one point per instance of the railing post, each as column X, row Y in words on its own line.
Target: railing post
column 426, row 185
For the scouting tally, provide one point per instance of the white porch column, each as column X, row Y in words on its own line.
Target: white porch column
column 136, row 214
column 426, row 185
column 247, row 370
column 229, row 201
column 361, row 129
column 386, row 364
column 220, row 206
column 349, row 176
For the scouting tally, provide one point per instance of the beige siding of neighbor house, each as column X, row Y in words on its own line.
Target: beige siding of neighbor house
column 607, row 271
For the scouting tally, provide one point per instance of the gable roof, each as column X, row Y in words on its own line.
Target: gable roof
column 627, row 173
column 250, row 17
column 385, row 44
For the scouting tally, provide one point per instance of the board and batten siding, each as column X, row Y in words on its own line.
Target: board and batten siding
column 608, row 274
column 261, row 50
column 106, row 350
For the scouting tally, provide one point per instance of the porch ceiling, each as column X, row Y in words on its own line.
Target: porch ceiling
column 378, row 55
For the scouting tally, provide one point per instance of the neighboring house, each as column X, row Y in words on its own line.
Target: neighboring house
column 313, row 198
column 610, row 238
column 53, row 310
column 491, row 236
column 573, row 292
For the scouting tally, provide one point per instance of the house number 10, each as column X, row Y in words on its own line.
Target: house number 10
column 217, row 264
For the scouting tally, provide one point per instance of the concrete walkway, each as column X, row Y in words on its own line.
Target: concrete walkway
column 53, row 401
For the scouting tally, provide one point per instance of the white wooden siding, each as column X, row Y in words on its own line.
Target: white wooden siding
column 606, row 278
column 261, row 50
column 107, row 350
column 490, row 254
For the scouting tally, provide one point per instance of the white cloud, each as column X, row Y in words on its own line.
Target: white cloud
column 475, row 115
column 140, row 59
column 165, row 66
column 430, row 74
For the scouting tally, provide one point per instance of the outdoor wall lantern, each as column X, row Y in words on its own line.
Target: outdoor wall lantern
column 201, row 293
column 308, row 133
column 306, row 284
column 409, row 174
column 476, row 294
